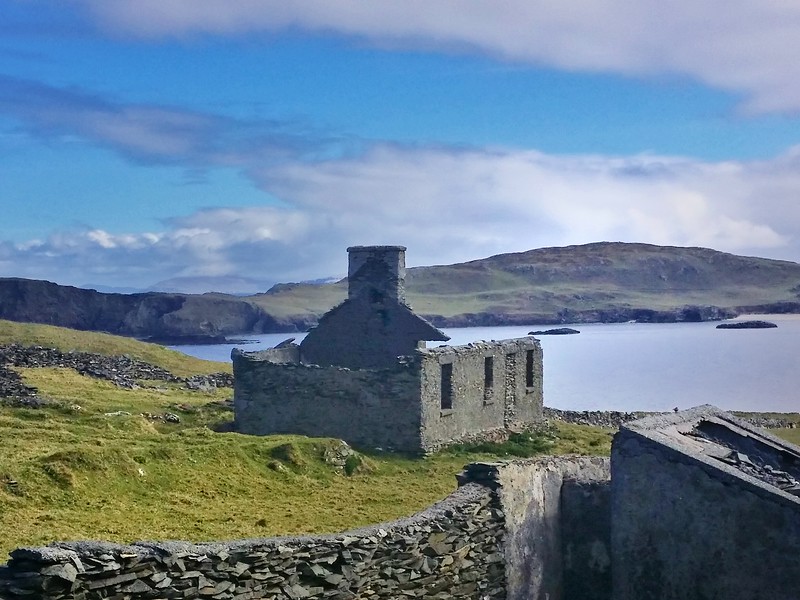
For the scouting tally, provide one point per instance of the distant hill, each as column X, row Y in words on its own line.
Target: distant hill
column 601, row 282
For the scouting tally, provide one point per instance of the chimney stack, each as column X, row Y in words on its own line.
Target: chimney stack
column 378, row 271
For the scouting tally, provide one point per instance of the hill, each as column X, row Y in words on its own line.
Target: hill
column 601, row 282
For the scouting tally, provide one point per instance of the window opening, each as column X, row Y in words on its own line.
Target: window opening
column 529, row 368
column 488, row 372
column 447, row 386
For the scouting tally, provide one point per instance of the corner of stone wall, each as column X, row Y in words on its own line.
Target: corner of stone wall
column 557, row 523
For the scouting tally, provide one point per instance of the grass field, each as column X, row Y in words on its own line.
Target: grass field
column 83, row 468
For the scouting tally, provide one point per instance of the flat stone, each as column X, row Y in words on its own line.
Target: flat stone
column 67, row 572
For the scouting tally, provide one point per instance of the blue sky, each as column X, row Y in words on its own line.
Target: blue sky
column 199, row 144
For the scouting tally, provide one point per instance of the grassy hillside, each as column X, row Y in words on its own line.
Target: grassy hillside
column 588, row 282
column 83, row 468
column 64, row 339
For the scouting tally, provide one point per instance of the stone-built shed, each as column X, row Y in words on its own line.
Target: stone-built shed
column 365, row 375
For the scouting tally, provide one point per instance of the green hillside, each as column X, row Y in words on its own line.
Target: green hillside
column 602, row 282
column 97, row 462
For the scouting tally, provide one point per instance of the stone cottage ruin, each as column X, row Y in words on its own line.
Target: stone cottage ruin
column 365, row 375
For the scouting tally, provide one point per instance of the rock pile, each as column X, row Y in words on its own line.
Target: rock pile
column 449, row 551
column 11, row 386
column 212, row 380
column 122, row 371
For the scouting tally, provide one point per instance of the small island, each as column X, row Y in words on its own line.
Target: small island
column 558, row 331
column 747, row 325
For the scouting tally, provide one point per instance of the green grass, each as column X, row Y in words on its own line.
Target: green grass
column 72, row 471
column 64, row 339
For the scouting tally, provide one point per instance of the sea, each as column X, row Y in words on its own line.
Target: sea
column 640, row 366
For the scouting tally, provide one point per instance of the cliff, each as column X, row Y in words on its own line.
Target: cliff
column 167, row 317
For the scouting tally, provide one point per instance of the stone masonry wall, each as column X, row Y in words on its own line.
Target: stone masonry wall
column 479, row 410
column 449, row 551
column 689, row 527
column 511, row 530
column 367, row 408
column 549, row 541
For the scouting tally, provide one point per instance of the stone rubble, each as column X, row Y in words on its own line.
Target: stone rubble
column 122, row 371
column 754, row 462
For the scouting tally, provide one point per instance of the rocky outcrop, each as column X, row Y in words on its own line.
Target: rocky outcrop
column 747, row 325
column 557, row 331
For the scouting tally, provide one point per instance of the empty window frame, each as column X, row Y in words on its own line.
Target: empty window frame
column 488, row 372
column 529, row 368
column 447, row 386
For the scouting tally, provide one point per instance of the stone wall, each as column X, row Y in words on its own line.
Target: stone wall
column 557, row 520
column 480, row 409
column 451, row 550
column 489, row 540
column 399, row 408
column 689, row 526
column 367, row 408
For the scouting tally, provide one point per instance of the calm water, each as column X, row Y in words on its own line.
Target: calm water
column 634, row 366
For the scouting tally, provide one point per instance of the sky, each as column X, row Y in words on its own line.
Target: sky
column 200, row 145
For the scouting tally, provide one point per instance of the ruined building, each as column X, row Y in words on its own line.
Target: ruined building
column 365, row 375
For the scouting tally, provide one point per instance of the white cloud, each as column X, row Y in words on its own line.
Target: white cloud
column 446, row 206
column 741, row 46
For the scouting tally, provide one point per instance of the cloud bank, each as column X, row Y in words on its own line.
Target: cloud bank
column 748, row 48
column 447, row 206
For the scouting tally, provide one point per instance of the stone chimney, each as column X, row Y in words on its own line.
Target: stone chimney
column 378, row 271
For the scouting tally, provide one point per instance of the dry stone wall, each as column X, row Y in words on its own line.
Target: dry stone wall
column 122, row 371
column 451, row 550
column 504, row 533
